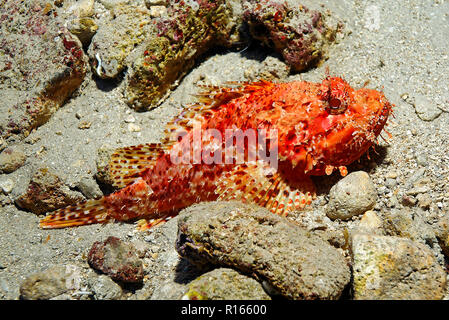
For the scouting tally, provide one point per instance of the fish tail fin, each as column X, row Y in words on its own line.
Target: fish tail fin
column 88, row 212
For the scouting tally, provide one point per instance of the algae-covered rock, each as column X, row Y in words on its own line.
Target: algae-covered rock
column 248, row 238
column 11, row 159
column 300, row 35
column 51, row 283
column 117, row 38
column 225, row 284
column 395, row 268
column 104, row 154
column 41, row 65
column 118, row 259
column 47, row 192
column 188, row 30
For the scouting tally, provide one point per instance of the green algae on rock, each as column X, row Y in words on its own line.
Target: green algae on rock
column 117, row 38
column 225, row 284
column 39, row 71
column 189, row 30
column 268, row 247
column 395, row 268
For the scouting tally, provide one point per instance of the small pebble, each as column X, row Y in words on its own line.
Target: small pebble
column 424, row 201
column 421, row 159
column 11, row 159
column 84, row 124
column 417, row 190
column 130, row 119
column 133, row 127
column 408, row 201
column 425, row 109
column 353, row 195
column 7, row 185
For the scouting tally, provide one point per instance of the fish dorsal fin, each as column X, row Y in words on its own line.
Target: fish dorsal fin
column 260, row 184
column 128, row 163
column 209, row 100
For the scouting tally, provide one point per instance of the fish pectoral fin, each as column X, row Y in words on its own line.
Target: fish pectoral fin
column 259, row 184
column 128, row 163
column 88, row 212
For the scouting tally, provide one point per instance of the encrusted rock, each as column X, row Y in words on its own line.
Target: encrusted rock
column 103, row 288
column 268, row 247
column 395, row 268
column 6, row 185
column 50, row 283
column 46, row 192
column 11, row 159
column 300, row 35
column 117, row 38
column 117, row 259
column 405, row 223
column 41, row 65
column 188, row 30
column 89, row 188
column 104, row 154
column 369, row 223
column 353, row 195
column 442, row 233
column 225, row 284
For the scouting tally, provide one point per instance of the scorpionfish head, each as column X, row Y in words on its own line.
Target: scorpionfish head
column 332, row 126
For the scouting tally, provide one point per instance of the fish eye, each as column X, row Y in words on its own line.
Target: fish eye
column 335, row 106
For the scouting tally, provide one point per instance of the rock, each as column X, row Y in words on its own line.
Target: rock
column 225, row 284
column 270, row 69
column 103, row 288
column 424, row 201
column 117, row 259
column 118, row 37
column 79, row 8
column 11, row 159
column 7, row 185
column 41, row 65
column 46, row 192
column 353, row 195
column 300, row 35
column 50, row 283
column 268, row 247
column 425, row 109
column 408, row 201
column 111, row 4
column 369, row 223
column 133, row 127
column 441, row 230
column 104, row 154
column 395, row 268
column 79, row 21
column 188, row 30
column 84, row 29
column 404, row 223
column 152, row 3
column 89, row 188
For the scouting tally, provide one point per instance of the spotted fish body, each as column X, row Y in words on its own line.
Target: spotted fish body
column 320, row 127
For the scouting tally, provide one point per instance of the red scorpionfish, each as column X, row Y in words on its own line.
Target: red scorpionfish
column 320, row 127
